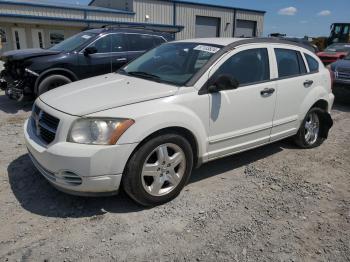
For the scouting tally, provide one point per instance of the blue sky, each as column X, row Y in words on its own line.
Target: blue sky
column 293, row 17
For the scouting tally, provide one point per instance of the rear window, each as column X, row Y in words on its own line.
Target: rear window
column 139, row 42
column 313, row 63
column 290, row 63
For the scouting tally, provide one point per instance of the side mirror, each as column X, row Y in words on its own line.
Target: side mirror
column 222, row 82
column 90, row 50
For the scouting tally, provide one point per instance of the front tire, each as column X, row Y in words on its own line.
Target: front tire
column 159, row 169
column 308, row 135
column 51, row 82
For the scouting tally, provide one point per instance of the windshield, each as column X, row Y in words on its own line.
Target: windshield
column 173, row 63
column 73, row 42
column 338, row 48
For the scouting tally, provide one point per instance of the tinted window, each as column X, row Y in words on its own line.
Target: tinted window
column 312, row 62
column 247, row 67
column 289, row 63
column 109, row 43
column 143, row 42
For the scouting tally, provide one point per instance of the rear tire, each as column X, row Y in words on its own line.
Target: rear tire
column 157, row 172
column 51, row 82
column 308, row 135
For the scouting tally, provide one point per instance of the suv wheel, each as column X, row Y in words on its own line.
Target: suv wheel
column 158, row 170
column 52, row 82
column 308, row 135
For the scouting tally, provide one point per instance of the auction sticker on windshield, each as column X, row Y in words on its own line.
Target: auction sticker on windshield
column 207, row 48
column 86, row 36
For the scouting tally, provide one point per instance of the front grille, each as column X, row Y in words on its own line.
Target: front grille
column 45, row 125
column 343, row 75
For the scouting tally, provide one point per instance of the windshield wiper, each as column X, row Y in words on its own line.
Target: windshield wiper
column 144, row 75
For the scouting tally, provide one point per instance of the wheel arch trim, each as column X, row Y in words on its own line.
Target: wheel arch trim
column 52, row 71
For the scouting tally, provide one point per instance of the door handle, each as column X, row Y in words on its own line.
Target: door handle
column 308, row 83
column 123, row 59
column 267, row 92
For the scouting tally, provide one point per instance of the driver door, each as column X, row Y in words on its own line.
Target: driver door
column 242, row 118
column 111, row 55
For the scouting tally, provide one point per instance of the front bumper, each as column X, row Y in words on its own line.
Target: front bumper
column 79, row 169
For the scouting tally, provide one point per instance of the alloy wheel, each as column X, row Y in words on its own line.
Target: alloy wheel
column 163, row 169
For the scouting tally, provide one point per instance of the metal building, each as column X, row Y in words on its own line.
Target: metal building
column 31, row 23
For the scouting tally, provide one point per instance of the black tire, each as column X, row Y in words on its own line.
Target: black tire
column 51, row 82
column 300, row 139
column 133, row 180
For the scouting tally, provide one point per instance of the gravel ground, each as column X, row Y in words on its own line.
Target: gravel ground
column 275, row 203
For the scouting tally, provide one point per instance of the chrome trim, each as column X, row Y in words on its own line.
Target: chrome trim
column 31, row 72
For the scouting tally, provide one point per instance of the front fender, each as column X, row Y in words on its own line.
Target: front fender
column 155, row 115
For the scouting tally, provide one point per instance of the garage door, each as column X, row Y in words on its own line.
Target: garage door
column 207, row 26
column 245, row 28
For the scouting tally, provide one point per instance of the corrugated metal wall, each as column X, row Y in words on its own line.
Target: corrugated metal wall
column 186, row 16
column 41, row 11
column 158, row 12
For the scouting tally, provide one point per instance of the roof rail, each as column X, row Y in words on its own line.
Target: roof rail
column 144, row 27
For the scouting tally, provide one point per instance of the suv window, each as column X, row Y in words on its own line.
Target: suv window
column 139, row 42
column 247, row 67
column 312, row 62
column 290, row 62
column 110, row 43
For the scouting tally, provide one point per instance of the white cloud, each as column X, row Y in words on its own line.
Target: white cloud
column 288, row 11
column 304, row 22
column 324, row 13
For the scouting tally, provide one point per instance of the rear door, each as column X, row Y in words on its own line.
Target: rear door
column 111, row 54
column 294, row 83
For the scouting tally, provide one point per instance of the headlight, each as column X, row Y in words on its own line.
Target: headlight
column 98, row 131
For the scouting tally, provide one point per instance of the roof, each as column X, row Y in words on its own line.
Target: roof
column 206, row 4
column 224, row 41
column 36, row 3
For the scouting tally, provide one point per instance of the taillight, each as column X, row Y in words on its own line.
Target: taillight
column 332, row 77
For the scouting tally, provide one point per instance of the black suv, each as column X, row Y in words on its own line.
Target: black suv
column 31, row 72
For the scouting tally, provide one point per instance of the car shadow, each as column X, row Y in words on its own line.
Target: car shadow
column 11, row 106
column 37, row 196
column 342, row 106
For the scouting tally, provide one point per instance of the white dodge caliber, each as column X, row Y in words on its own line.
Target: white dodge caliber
column 177, row 106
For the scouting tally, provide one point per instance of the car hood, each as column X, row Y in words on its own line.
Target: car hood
column 332, row 54
column 343, row 63
column 16, row 55
column 104, row 92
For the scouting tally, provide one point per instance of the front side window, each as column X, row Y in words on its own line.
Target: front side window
column 173, row 63
column 247, row 67
column 109, row 43
column 289, row 63
column 312, row 62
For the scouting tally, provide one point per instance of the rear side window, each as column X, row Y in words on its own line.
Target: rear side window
column 247, row 67
column 139, row 42
column 289, row 62
column 312, row 62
